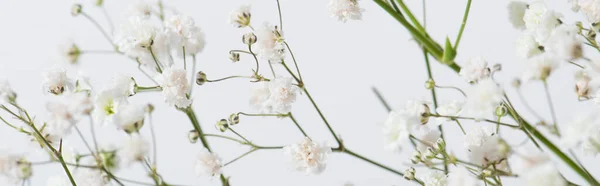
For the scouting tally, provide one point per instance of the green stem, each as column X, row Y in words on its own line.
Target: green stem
column 381, row 99
column 340, row 144
column 552, row 110
column 147, row 89
column 226, row 78
column 297, row 125
column 351, row 153
column 411, row 16
column 240, row 157
column 435, row 103
column 99, row 28
column 462, row 26
column 280, row 18
column 293, row 59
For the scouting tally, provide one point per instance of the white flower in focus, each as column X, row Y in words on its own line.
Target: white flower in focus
column 397, row 129
column 475, row 69
column 208, row 164
column 175, row 87
column 58, row 181
column 106, row 104
column 269, row 44
column 516, row 12
column 591, row 9
column 534, row 13
column 452, row 108
column 282, row 94
column 427, row 138
column 584, row 132
column 544, row 174
column 259, row 100
column 483, row 98
column 484, row 147
column 308, row 156
column 6, row 92
column 240, row 17
column 56, row 81
column 540, row 67
column 417, row 109
column 137, row 37
column 434, row 178
column 344, row 10
column 461, row 177
column 183, row 32
column 134, row 148
column 527, row 46
column 130, row 117
column 563, row 43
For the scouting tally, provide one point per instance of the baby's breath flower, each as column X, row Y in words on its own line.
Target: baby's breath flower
column 142, row 9
column 58, row 181
column 451, row 108
column 269, row 43
column 427, row 138
column 484, row 147
column 175, row 87
column 240, row 17
column 475, row 69
column 483, row 98
column 583, row 132
column 308, row 156
column 344, row 10
column 516, row 11
column 275, row 96
column 540, row 67
column 434, row 178
column 91, row 177
column 134, row 148
column 461, row 177
column 208, row 164
column 563, row 43
column 582, row 84
column 540, row 21
column 70, row 52
column 249, row 38
column 527, row 46
column 541, row 171
column 66, row 112
column 56, row 81
column 397, row 129
column 7, row 94
column 137, row 37
column 591, row 9
column 106, row 104
column 130, row 117
column 182, row 32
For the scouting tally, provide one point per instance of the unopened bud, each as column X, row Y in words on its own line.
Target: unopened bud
column 24, row 169
column 109, row 159
column 222, row 125
column 409, row 174
column 234, row 56
column 73, row 54
column 501, row 110
column 249, row 38
column 193, row 136
column 429, row 84
column 234, row 118
column 76, row 9
column 430, row 153
column 440, row 144
column 416, row 157
column 425, row 113
column 201, row 78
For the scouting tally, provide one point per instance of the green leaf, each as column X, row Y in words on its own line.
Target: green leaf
column 449, row 53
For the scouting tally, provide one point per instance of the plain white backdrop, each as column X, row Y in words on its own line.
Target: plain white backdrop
column 339, row 63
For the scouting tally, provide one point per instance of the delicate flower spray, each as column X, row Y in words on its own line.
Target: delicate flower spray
column 164, row 44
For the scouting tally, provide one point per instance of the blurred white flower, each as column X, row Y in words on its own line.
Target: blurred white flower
column 516, row 12
column 527, row 46
column 483, row 98
column 175, row 87
column 541, row 172
column 417, row 109
column 208, row 164
column 142, row 9
column 259, row 99
column 123, row 85
column 475, row 69
column 540, row 21
column 344, row 10
column 584, row 132
column 540, row 67
column 427, row 138
column 69, row 52
column 130, row 117
column 451, row 108
column 591, row 9
column 308, row 156
column 434, row 178
column 183, row 32
column 8, row 162
column 134, row 148
column 563, row 43
column 484, row 147
column 397, row 129
column 461, row 177
column 269, row 44
column 66, row 112
column 240, row 17
column 89, row 177
column 56, row 81
column 6, row 92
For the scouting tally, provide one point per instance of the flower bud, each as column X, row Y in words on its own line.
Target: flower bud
column 222, row 125
column 416, row 157
column 440, row 144
column 582, row 87
column 149, row 108
column 201, row 78
column 430, row 153
column 76, row 9
column 516, row 83
column 241, row 18
column 109, row 159
column 249, row 38
column 73, row 54
column 429, row 84
column 234, row 56
column 24, row 169
column 409, row 174
column 425, row 113
column 497, row 67
column 193, row 136
column 486, row 173
column 99, row 2
column 501, row 110
column 234, row 118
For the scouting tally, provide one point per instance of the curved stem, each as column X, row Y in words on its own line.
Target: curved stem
column 280, row 18
column 240, row 157
column 99, row 28
column 351, row 153
column 297, row 125
column 552, row 111
column 226, row 78
column 462, row 26
column 293, row 59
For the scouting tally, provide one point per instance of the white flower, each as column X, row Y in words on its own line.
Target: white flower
column 543, row 174
column 269, row 43
column 259, row 100
column 574, row 5
column 89, row 177
column 434, row 178
column 427, row 138
column 483, row 98
column 123, row 85
column 175, row 87
column 142, row 9
column 134, row 148
column 69, row 52
column 417, row 109
column 137, row 37
column 534, row 13
column 6, row 92
column 540, row 20
column 106, row 104
column 240, row 17
column 516, row 11
column 397, row 129
column 208, row 164
column 584, row 132
column 283, row 94
column 58, row 181
column 452, row 108
column 540, row 67
column 475, row 69
column 484, row 147
column 130, row 117
column 308, row 156
column 591, row 9
column 563, row 43
column 582, row 84
column 56, row 81
column 527, row 46
column 66, row 112
column 183, row 32
column 344, row 10
column 461, row 177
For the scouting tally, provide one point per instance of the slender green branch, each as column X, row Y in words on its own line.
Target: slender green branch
column 552, row 110
column 463, row 24
column 411, row 17
column 280, row 18
column 158, row 67
column 104, row 33
column 184, row 60
column 226, row 78
column 475, row 119
column 293, row 59
column 381, row 99
column 138, row 89
column 193, row 75
column 153, row 134
column 297, row 125
column 239, row 135
column 337, row 139
column 240, row 157
column 351, row 153
column 256, row 59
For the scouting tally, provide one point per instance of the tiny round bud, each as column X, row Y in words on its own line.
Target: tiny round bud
column 222, row 125
column 501, row 110
column 249, row 38
column 234, row 118
column 193, row 136
column 409, row 174
column 425, row 113
column 516, row 83
column 201, row 78
column 234, row 56
column 440, row 144
column 109, row 159
column 416, row 157
column 76, row 9
column 429, row 84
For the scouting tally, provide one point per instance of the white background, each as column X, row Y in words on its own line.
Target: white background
column 339, row 62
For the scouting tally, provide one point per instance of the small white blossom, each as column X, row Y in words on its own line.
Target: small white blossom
column 69, row 52
column 563, row 43
column 483, row 98
column 308, row 156
column 8, row 162
column 574, row 5
column 540, row 20
column 397, row 129
column 452, row 108
column 434, row 178
column 516, row 12
column 130, row 117
column 461, row 177
column 584, row 132
column 269, row 44
column 542, row 172
column 134, row 148
column 591, row 9
column 475, row 69
column 137, row 37
column 344, row 10
column 240, row 17
column 142, row 9
column 183, row 32
column 275, row 96
column 260, row 96
column 427, row 138
column 540, row 67
column 208, row 164
column 484, row 147
column 6, row 92
column 66, row 112
column 89, row 177
column 175, row 87
column 56, row 81
column 105, row 105
column 123, row 85
column 527, row 46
